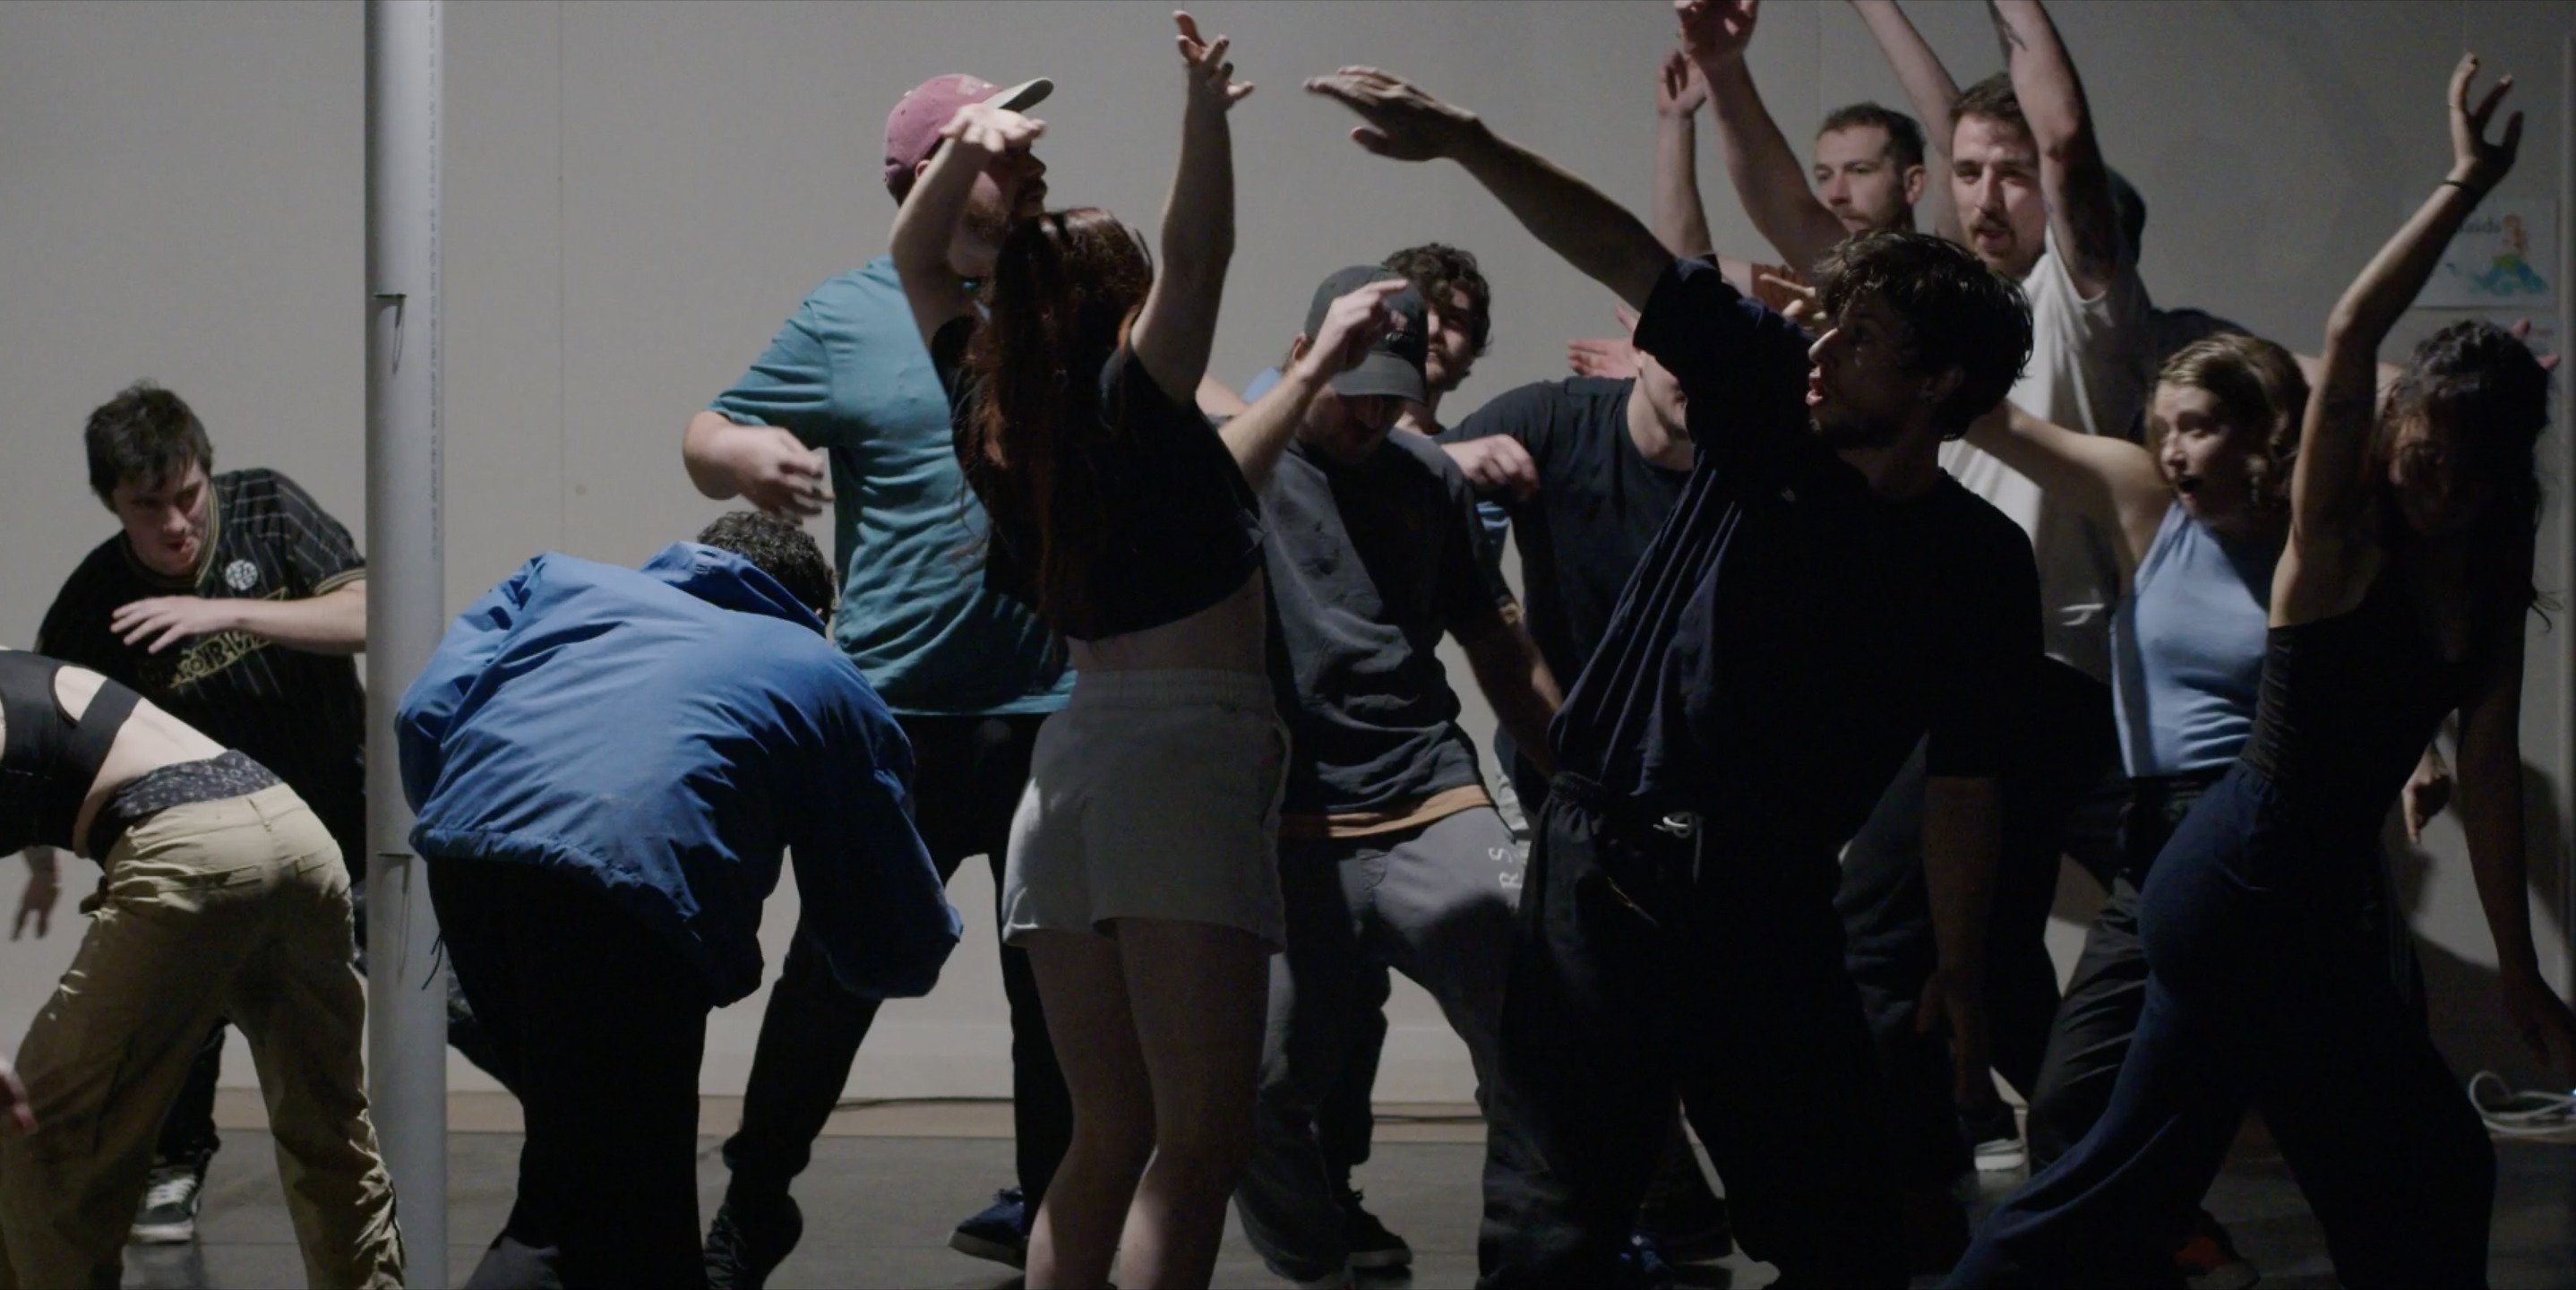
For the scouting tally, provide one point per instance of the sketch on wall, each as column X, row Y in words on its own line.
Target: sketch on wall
column 2505, row 257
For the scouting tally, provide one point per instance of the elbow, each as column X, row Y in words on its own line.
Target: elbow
column 2350, row 330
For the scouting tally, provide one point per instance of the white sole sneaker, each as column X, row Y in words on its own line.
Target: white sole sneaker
column 162, row 1233
column 2001, row 1156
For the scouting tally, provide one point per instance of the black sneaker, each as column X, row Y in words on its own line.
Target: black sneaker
column 1642, row 1266
column 168, row 1215
column 1689, row 1227
column 746, row 1243
column 1373, row 1248
column 999, row 1233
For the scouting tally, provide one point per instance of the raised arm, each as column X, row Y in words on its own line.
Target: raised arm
column 926, row 227
column 1933, row 94
column 1258, row 434
column 1172, row 334
column 2072, row 176
column 1681, row 223
column 2491, row 814
column 2328, row 488
column 2107, row 480
column 1594, row 234
column 1769, row 178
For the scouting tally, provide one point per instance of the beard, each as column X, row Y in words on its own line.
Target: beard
column 1852, row 430
column 988, row 222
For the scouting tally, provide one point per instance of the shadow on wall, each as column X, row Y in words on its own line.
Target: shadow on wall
column 2460, row 998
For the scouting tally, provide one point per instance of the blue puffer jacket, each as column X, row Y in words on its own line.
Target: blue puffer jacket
column 667, row 733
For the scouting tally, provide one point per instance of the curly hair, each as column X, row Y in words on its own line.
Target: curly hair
column 2260, row 392
column 1436, row 269
column 779, row 548
column 1957, row 313
column 143, row 436
column 2483, row 390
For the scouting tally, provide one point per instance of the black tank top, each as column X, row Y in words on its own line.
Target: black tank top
column 50, row 761
column 2347, row 706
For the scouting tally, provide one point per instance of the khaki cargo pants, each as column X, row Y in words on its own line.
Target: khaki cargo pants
column 236, row 908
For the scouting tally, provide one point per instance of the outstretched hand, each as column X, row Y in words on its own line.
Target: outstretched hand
column 1402, row 121
column 1212, row 82
column 1352, row 324
column 36, row 904
column 991, row 129
column 2476, row 162
column 1611, row 356
column 1679, row 88
column 1716, row 30
column 1792, row 299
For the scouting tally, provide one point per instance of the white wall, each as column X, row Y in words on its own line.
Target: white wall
column 638, row 193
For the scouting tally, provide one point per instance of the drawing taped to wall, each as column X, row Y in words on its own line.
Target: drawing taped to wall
column 2506, row 256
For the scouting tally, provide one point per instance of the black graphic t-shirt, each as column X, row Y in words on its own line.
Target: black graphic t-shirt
column 299, row 714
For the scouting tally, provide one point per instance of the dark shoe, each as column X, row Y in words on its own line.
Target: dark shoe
column 747, row 1242
column 2209, row 1261
column 1642, row 1266
column 168, row 1215
column 1936, row 1230
column 1372, row 1247
column 999, row 1233
column 1690, row 1226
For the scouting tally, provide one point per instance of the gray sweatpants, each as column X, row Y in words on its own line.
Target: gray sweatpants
column 1434, row 903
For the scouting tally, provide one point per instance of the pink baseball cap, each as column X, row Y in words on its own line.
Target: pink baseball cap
column 912, row 129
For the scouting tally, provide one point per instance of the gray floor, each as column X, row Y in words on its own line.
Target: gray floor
column 878, row 1211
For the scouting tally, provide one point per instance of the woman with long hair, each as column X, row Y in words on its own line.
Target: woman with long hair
column 1142, row 877
column 2400, row 597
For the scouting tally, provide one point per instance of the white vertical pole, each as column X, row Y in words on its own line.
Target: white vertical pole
column 406, row 999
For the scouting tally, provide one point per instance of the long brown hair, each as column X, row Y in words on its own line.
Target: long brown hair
column 1064, row 288
column 2484, row 387
column 2260, row 394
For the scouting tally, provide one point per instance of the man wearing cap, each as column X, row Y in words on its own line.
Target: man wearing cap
column 1390, row 851
column 967, row 673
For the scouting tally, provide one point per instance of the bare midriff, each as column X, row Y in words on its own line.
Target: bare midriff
column 1228, row 636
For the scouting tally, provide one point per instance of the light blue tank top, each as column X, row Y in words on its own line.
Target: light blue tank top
column 2187, row 648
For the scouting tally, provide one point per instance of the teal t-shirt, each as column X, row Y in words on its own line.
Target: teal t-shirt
column 849, row 374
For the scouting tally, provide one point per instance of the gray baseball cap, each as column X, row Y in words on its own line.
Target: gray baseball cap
column 1393, row 368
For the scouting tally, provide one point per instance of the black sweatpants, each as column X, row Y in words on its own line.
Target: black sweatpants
column 2062, row 796
column 602, row 1024
column 968, row 773
column 1648, row 962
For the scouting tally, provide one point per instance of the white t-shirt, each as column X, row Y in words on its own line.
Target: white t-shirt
column 2089, row 371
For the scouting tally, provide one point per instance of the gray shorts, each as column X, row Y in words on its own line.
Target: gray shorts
column 1154, row 794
